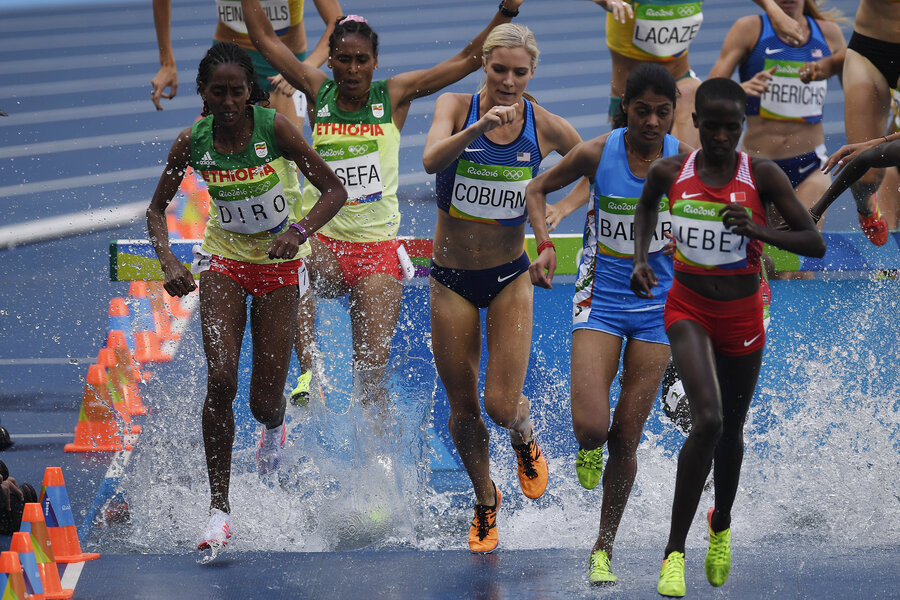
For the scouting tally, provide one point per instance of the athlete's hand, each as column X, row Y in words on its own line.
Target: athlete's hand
column 786, row 27
column 167, row 77
column 620, row 9
column 813, row 71
column 759, row 83
column 738, row 220
column 177, row 280
column 847, row 153
column 286, row 245
column 280, row 86
column 669, row 248
column 643, row 280
column 542, row 269
column 498, row 116
column 552, row 216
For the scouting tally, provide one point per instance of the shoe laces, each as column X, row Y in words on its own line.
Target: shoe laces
column 673, row 568
column 592, row 459
column 485, row 519
column 599, row 562
column 718, row 548
column 528, row 453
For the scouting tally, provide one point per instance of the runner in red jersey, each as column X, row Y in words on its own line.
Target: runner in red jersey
column 714, row 319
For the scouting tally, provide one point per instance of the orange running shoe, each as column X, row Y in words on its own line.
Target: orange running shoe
column 533, row 473
column 483, row 536
column 874, row 226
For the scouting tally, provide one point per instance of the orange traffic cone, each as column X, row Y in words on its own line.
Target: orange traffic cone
column 116, row 341
column 176, row 308
column 33, row 524
column 60, row 523
column 126, row 396
column 21, row 544
column 148, row 348
column 97, row 429
column 13, row 587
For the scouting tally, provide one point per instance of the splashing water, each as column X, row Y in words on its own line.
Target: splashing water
column 821, row 459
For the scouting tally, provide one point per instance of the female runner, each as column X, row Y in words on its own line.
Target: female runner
column 605, row 309
column 784, row 113
column 719, row 200
column 485, row 148
column 356, row 129
column 253, row 246
column 661, row 31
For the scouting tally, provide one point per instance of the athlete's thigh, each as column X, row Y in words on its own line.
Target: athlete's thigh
column 737, row 379
column 643, row 365
column 272, row 326
column 223, row 317
column 374, row 308
column 867, row 99
column 325, row 275
column 695, row 359
column 456, row 343
column 811, row 189
column 284, row 105
column 594, row 364
column 508, row 331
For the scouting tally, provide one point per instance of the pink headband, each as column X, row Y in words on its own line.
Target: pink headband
column 355, row 18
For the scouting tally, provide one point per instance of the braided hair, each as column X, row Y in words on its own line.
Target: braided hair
column 228, row 53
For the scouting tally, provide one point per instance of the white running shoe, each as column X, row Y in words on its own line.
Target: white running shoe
column 217, row 533
column 271, row 443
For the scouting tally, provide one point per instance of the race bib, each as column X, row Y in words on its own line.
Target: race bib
column 788, row 98
column 701, row 237
column 666, row 30
column 256, row 207
column 231, row 15
column 489, row 192
column 615, row 226
column 358, row 166
column 201, row 260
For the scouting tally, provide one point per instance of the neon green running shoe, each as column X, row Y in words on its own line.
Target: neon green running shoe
column 589, row 466
column 300, row 394
column 599, row 573
column 718, row 555
column 671, row 576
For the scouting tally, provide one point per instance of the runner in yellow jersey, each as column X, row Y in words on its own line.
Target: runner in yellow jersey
column 662, row 31
column 287, row 19
column 356, row 127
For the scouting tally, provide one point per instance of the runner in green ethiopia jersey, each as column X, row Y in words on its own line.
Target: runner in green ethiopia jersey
column 252, row 247
column 356, row 124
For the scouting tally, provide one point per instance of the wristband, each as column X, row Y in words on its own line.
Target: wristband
column 299, row 227
column 544, row 245
column 509, row 14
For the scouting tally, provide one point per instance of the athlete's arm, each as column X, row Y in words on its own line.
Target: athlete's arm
column 580, row 163
column 783, row 24
column 885, row 154
column 736, row 49
column 167, row 77
column 774, row 186
column 330, row 11
column 646, row 213
column 294, row 147
column 444, row 143
column 178, row 281
column 302, row 76
column 406, row 87
column 555, row 213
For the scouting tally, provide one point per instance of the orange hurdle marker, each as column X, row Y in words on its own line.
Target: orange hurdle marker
column 148, row 348
column 21, row 544
column 11, row 571
column 57, row 510
column 129, row 369
column 33, row 524
column 97, row 429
